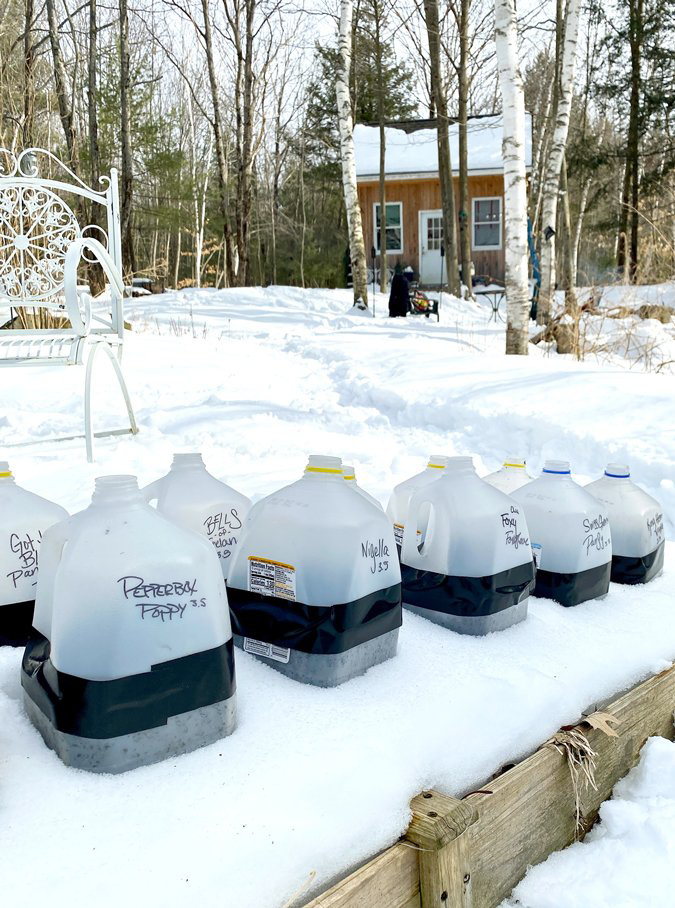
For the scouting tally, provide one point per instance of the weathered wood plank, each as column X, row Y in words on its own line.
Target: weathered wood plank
column 439, row 828
column 391, row 880
column 531, row 811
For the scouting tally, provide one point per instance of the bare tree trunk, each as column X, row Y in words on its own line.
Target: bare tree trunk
column 637, row 35
column 463, row 100
column 62, row 88
column 244, row 145
column 568, row 31
column 515, row 186
column 302, row 208
column 128, row 255
column 94, row 270
column 443, row 139
column 221, row 156
column 377, row 14
column 586, row 188
column 28, row 77
column 357, row 249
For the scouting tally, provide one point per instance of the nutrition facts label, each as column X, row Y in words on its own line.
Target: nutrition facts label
column 271, row 578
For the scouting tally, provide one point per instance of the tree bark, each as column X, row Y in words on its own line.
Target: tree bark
column 568, row 30
column 28, row 77
column 62, row 89
column 377, row 13
column 443, row 139
column 463, row 101
column 357, row 249
column 94, row 271
column 128, row 255
column 515, row 186
column 221, row 156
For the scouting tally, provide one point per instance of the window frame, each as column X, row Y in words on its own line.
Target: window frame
column 474, row 223
column 376, row 244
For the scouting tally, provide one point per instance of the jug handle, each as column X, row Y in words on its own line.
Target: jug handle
column 409, row 550
column 51, row 548
column 151, row 492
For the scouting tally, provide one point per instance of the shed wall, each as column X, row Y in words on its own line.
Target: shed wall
column 424, row 195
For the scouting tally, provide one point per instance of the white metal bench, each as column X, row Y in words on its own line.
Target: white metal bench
column 41, row 248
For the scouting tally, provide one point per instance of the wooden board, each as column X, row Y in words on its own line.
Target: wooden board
column 391, row 880
column 531, row 811
column 471, row 853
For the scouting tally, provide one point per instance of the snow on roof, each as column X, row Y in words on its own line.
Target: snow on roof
column 416, row 152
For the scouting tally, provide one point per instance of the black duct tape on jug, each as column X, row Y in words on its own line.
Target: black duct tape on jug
column 325, row 629
column 106, row 709
column 16, row 622
column 572, row 589
column 470, row 597
column 626, row 569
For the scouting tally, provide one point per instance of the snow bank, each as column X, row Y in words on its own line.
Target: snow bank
column 628, row 859
column 314, row 781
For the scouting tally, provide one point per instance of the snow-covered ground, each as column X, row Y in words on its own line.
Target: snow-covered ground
column 628, row 859
column 314, row 781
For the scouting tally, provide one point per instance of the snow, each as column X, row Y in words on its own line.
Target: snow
column 417, row 152
column 628, row 859
column 613, row 332
column 314, row 781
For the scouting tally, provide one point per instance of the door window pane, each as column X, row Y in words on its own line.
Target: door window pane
column 434, row 232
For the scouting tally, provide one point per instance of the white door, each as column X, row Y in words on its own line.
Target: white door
column 431, row 239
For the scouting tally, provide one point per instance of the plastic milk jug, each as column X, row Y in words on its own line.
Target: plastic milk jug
column 191, row 497
column 131, row 659
column 349, row 474
column 397, row 508
column 636, row 522
column 24, row 517
column 474, row 572
column 571, row 527
column 314, row 585
column 510, row 477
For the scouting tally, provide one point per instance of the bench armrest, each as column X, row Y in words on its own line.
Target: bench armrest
column 81, row 321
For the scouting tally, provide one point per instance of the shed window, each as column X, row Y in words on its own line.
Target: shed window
column 487, row 223
column 394, row 226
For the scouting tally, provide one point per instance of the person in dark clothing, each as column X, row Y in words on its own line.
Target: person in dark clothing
column 399, row 296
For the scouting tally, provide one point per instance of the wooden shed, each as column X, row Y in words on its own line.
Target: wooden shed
column 414, row 220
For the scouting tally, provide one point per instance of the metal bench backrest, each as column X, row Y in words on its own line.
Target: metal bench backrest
column 39, row 197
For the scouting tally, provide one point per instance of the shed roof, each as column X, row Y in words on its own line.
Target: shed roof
column 415, row 152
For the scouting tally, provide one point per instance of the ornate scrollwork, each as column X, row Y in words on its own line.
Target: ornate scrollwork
column 36, row 229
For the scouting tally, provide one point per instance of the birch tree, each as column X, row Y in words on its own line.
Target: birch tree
column 357, row 249
column 556, row 153
column 515, row 187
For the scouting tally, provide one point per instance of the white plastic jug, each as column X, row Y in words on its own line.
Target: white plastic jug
column 314, row 585
column 474, row 571
column 512, row 475
column 132, row 658
column 636, row 521
column 349, row 474
column 572, row 529
column 24, row 518
column 399, row 502
column 190, row 496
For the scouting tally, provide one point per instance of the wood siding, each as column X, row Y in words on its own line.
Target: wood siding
column 425, row 195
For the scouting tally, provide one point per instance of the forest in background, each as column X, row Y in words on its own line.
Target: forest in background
column 222, row 118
